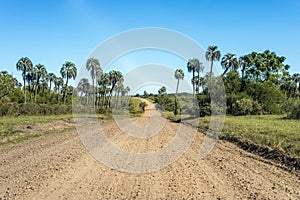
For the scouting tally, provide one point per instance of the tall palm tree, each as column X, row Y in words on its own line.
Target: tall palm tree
column 193, row 65
column 24, row 64
column 212, row 54
column 31, row 81
column 93, row 65
column 115, row 77
column 119, row 88
column 199, row 69
column 179, row 74
column 82, row 87
column 296, row 79
column 229, row 61
column 58, row 83
column 198, row 81
column 68, row 71
column 127, row 90
column 104, row 82
column 51, row 78
column 244, row 63
column 40, row 72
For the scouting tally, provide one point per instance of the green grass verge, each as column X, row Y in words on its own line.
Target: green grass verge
column 12, row 128
column 272, row 131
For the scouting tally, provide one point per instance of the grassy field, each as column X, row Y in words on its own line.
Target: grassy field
column 17, row 129
column 272, row 131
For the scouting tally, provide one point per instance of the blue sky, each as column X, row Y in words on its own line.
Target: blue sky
column 51, row 32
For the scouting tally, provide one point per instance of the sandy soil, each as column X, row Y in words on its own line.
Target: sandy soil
column 58, row 166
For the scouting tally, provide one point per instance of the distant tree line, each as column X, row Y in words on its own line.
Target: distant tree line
column 255, row 83
column 106, row 90
column 45, row 93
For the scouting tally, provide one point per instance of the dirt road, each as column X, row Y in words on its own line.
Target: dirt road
column 58, row 166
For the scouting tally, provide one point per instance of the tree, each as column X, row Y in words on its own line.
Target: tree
column 51, row 78
column 24, row 65
column 81, row 87
column 39, row 72
column 104, row 82
column 7, row 83
column 192, row 66
column 179, row 74
column 58, row 82
column 162, row 90
column 68, row 71
column 212, row 54
column 229, row 61
column 244, row 63
column 115, row 77
column 296, row 79
column 93, row 65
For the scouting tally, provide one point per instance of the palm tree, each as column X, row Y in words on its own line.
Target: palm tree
column 126, row 90
column 104, row 82
column 296, row 79
column 212, row 54
column 244, row 63
column 198, row 81
column 179, row 74
column 199, row 69
column 119, row 88
column 24, row 64
column 31, row 81
column 229, row 61
column 51, row 78
column 93, row 65
column 68, row 71
column 58, row 83
column 194, row 65
column 82, row 87
column 40, row 72
column 115, row 77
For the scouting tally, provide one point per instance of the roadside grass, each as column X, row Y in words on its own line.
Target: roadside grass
column 12, row 131
column 18, row 129
column 273, row 131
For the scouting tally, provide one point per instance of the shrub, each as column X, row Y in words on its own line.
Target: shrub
column 295, row 114
column 173, row 118
column 143, row 105
column 243, row 107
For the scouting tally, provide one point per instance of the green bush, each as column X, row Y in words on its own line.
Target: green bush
column 243, row 107
column 246, row 106
column 204, row 102
column 295, row 114
column 8, row 108
column 173, row 118
column 134, row 107
column 143, row 105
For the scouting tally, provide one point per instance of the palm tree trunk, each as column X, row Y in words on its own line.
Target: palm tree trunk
column 198, row 85
column 226, row 69
column 193, row 82
column 211, row 68
column 175, row 110
column 24, row 79
column 65, row 91
column 31, row 91
column 93, row 91
column 35, row 92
